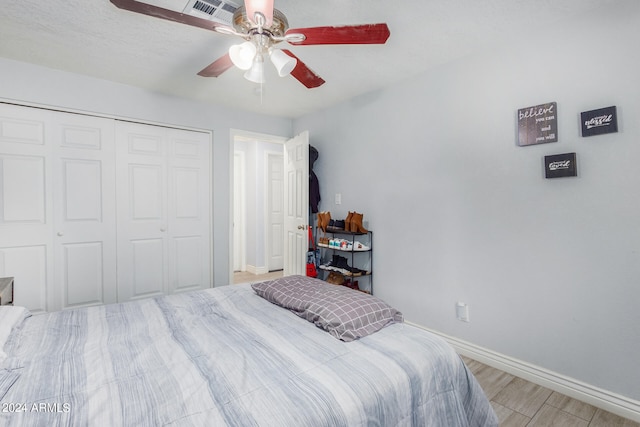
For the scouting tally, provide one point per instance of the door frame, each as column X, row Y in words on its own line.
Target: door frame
column 239, row 221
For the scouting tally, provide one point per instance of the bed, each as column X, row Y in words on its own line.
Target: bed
column 233, row 355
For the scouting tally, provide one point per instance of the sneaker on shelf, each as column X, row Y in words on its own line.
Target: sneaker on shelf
column 357, row 246
column 345, row 245
column 332, row 265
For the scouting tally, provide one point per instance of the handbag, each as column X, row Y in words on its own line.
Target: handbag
column 312, row 259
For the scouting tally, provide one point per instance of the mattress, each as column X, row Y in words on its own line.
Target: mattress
column 224, row 357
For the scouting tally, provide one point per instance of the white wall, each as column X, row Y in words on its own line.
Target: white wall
column 32, row 84
column 549, row 267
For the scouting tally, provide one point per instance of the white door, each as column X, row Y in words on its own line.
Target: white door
column 26, row 205
column 275, row 211
column 163, row 185
column 296, row 202
column 84, row 211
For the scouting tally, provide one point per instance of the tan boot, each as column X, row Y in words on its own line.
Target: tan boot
column 321, row 225
column 356, row 223
column 347, row 221
column 327, row 219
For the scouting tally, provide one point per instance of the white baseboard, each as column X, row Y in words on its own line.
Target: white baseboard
column 600, row 398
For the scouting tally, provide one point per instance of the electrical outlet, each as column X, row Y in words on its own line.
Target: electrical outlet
column 462, row 311
column 338, row 198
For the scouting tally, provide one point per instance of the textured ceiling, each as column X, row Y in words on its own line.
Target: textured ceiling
column 94, row 38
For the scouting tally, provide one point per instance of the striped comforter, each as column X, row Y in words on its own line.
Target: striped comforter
column 222, row 357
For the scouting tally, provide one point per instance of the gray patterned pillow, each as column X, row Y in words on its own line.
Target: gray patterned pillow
column 344, row 313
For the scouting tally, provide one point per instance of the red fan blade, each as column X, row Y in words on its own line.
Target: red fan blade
column 217, row 67
column 349, row 34
column 304, row 74
column 169, row 15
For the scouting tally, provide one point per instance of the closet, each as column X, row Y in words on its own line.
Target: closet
column 95, row 210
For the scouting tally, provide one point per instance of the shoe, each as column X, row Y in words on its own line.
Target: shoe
column 352, row 284
column 333, row 265
column 320, row 217
column 356, row 223
column 335, row 278
column 329, row 264
column 344, row 267
column 357, row 246
column 347, row 221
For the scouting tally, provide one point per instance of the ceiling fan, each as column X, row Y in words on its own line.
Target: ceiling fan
column 263, row 27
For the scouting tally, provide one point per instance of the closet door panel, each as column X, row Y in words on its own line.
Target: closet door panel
column 26, row 204
column 23, row 197
column 19, row 125
column 146, row 185
column 188, row 263
column 85, row 222
column 189, row 213
column 82, row 266
column 148, row 256
column 141, row 155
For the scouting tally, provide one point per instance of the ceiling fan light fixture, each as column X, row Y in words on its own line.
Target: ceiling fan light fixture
column 256, row 72
column 242, row 55
column 265, row 7
column 284, row 63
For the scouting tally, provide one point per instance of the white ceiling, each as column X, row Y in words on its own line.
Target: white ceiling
column 94, row 38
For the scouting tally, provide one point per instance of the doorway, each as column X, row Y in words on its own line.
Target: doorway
column 258, row 205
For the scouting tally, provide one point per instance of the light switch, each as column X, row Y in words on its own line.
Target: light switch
column 462, row 311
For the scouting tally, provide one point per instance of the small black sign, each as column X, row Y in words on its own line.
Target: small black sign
column 560, row 165
column 538, row 124
column 597, row 122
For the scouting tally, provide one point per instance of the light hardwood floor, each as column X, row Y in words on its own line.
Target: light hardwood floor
column 518, row 403
column 246, row 277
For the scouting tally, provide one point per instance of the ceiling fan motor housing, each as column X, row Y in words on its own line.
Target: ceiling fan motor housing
column 276, row 31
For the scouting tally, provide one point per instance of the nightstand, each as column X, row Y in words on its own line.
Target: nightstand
column 6, row 290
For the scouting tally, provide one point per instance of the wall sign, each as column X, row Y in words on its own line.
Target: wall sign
column 538, row 124
column 560, row 165
column 597, row 122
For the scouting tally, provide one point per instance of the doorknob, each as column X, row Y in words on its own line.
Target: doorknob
column 163, row 229
column 60, row 233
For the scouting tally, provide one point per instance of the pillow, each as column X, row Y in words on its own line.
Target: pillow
column 345, row 313
column 10, row 316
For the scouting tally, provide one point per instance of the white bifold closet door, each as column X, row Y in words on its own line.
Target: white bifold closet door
column 95, row 210
column 163, row 212
column 57, row 208
column 84, row 201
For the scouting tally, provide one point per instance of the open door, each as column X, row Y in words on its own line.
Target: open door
column 296, row 204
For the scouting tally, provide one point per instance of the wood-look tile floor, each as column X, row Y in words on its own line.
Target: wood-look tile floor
column 520, row 403
column 246, row 277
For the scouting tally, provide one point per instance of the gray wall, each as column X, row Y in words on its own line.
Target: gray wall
column 27, row 83
column 549, row 267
